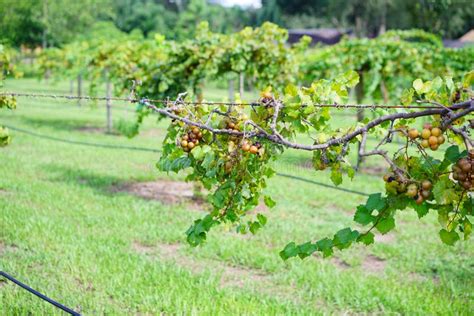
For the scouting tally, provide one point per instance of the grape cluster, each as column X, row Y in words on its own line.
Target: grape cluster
column 253, row 148
column 266, row 96
column 418, row 191
column 191, row 139
column 463, row 171
column 431, row 137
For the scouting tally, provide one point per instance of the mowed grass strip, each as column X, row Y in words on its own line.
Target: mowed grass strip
column 66, row 232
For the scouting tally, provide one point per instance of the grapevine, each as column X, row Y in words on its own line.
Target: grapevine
column 6, row 67
column 233, row 144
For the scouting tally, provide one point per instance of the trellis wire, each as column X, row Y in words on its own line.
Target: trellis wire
column 212, row 103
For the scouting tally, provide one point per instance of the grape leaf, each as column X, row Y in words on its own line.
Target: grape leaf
column 375, row 202
column 290, row 250
column 386, row 225
column 345, row 237
column 449, row 238
column 443, row 191
column 367, row 238
column 325, row 246
column 269, row 201
column 363, row 215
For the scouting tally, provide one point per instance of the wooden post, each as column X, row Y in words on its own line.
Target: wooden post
column 384, row 91
column 359, row 91
column 79, row 89
column 241, row 85
column 231, row 90
column 108, row 89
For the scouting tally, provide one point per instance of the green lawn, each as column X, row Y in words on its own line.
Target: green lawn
column 67, row 232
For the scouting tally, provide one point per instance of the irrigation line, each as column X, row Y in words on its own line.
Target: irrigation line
column 42, row 296
column 74, row 142
column 321, row 184
column 78, row 142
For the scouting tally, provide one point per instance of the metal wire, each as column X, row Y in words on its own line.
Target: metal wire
column 215, row 103
column 75, row 142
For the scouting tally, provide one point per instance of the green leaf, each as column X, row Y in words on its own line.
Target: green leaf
column 363, row 215
column 198, row 153
column 375, row 202
column 336, row 175
column 290, row 250
column 269, row 201
column 345, row 237
column 407, row 97
column 468, row 206
column 352, row 78
column 421, row 209
column 449, row 238
column 325, row 246
column 262, row 219
column 291, row 90
column 366, row 239
column 467, row 228
column 386, row 225
column 443, row 191
column 254, row 227
column 418, row 85
column 306, row 249
column 452, row 154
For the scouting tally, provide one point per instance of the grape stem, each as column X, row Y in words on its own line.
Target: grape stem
column 274, row 136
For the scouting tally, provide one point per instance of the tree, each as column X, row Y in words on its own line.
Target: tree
column 46, row 22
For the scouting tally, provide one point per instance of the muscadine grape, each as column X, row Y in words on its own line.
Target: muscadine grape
column 466, row 184
column 434, row 146
column 466, row 167
column 245, row 147
column 412, row 190
column 427, row 126
column 435, row 131
column 425, row 194
column 413, row 133
column 184, row 143
column 190, row 145
column 425, row 133
column 433, row 140
column 253, row 149
column 401, row 188
column 425, row 143
column 426, row 185
column 441, row 139
column 419, row 199
column 195, row 130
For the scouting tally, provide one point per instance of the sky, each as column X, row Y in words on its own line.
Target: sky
column 243, row 3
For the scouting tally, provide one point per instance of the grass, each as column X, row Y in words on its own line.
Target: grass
column 66, row 233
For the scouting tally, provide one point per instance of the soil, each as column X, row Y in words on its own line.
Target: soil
column 165, row 191
column 373, row 264
column 233, row 276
